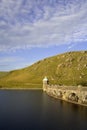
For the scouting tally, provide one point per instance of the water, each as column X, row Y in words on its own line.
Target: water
column 35, row 110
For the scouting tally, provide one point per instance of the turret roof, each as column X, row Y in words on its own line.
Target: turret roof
column 45, row 79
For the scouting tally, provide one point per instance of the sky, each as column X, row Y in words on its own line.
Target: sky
column 31, row 30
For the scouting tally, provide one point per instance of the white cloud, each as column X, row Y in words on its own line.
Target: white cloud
column 26, row 24
column 12, row 62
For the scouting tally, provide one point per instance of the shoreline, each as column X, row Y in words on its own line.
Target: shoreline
column 21, row 89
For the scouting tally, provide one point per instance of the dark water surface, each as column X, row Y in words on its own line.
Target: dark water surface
column 34, row 110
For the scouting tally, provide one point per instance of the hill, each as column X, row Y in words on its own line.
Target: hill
column 69, row 69
column 2, row 74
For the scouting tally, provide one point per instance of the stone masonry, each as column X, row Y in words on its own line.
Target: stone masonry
column 74, row 94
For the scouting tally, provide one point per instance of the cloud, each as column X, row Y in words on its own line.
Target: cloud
column 26, row 24
column 12, row 62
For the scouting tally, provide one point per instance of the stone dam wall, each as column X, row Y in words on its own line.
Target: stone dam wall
column 73, row 94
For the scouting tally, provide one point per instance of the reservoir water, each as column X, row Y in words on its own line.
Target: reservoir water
column 35, row 110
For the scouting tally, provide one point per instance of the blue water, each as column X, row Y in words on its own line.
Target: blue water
column 35, row 110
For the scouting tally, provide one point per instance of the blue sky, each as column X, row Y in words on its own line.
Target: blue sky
column 31, row 30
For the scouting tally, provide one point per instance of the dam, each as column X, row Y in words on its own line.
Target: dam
column 73, row 94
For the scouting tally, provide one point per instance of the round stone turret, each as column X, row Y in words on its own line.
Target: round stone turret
column 45, row 83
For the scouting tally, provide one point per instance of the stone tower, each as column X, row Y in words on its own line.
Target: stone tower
column 45, row 83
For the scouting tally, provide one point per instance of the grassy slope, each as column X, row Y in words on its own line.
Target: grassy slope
column 2, row 74
column 69, row 68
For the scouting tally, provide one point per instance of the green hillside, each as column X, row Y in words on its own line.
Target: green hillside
column 2, row 74
column 69, row 69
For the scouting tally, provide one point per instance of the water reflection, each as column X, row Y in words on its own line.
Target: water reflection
column 35, row 110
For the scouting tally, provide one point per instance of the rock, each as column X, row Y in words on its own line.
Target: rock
column 85, row 65
column 83, row 52
column 80, row 77
column 69, row 59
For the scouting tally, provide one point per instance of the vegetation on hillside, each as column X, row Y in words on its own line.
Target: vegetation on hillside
column 65, row 69
column 2, row 74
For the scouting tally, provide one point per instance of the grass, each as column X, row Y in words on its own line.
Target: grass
column 69, row 69
column 2, row 74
